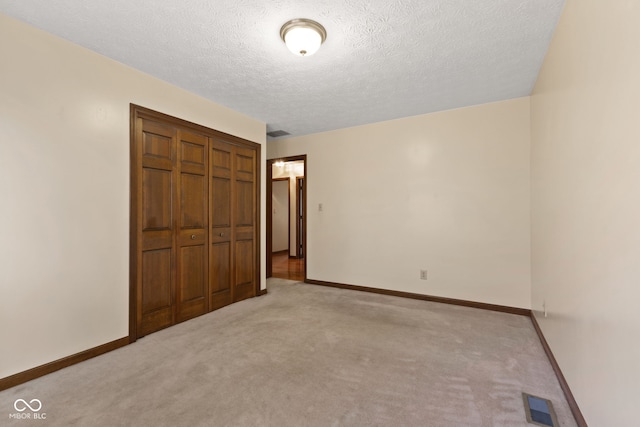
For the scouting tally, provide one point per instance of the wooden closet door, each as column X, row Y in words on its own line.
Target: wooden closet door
column 244, row 223
column 194, row 224
column 174, row 215
column 220, row 253
column 192, row 219
column 233, row 223
column 156, row 154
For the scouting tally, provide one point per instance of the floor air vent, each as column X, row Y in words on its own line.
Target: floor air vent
column 539, row 411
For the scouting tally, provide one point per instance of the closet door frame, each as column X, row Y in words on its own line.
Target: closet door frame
column 136, row 113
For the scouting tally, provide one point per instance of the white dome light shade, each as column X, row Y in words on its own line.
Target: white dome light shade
column 303, row 41
column 303, row 36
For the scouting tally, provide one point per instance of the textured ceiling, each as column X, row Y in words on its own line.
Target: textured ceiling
column 383, row 59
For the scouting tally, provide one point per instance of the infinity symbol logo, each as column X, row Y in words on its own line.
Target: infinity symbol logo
column 26, row 405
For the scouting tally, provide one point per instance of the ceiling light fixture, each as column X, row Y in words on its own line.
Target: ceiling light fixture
column 303, row 36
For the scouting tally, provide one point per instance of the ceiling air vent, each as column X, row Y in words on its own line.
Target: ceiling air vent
column 277, row 133
column 539, row 411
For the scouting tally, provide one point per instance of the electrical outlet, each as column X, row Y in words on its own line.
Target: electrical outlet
column 423, row 274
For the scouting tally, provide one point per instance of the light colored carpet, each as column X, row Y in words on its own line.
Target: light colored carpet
column 307, row 355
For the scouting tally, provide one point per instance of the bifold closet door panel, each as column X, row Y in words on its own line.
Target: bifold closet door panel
column 156, row 155
column 193, row 221
column 244, row 218
column 192, row 240
column 220, row 253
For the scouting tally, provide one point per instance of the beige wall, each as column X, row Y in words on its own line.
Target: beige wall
column 280, row 216
column 457, row 205
column 586, row 205
column 447, row 192
column 291, row 170
column 64, row 191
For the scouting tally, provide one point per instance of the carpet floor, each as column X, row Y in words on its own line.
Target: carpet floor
column 306, row 355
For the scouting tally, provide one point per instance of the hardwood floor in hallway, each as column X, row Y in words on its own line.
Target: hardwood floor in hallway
column 287, row 268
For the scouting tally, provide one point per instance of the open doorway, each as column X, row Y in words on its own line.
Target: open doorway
column 286, row 218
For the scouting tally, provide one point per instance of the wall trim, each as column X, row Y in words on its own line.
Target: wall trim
column 452, row 301
column 42, row 370
column 65, row 362
column 573, row 405
column 47, row 368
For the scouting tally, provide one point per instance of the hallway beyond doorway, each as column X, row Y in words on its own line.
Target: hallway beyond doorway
column 285, row 267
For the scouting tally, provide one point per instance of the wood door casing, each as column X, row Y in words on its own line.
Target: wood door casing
column 191, row 249
column 269, row 207
column 300, row 216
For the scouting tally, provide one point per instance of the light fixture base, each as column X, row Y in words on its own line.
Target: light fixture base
column 303, row 24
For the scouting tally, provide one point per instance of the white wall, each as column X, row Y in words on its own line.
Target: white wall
column 64, row 191
column 447, row 192
column 586, row 205
column 291, row 170
column 280, row 216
